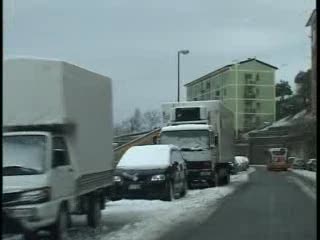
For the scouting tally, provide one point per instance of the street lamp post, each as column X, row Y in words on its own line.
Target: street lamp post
column 236, row 83
column 184, row 52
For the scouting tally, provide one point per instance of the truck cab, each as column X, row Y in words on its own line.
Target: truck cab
column 37, row 175
column 197, row 129
column 196, row 143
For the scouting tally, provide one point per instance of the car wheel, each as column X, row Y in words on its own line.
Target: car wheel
column 59, row 230
column 169, row 193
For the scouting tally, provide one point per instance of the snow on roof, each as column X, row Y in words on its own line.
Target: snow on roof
column 146, row 157
column 25, row 57
column 286, row 121
column 186, row 127
column 299, row 114
column 241, row 159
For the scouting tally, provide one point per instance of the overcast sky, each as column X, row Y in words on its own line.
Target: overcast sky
column 135, row 42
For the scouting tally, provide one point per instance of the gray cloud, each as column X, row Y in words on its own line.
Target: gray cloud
column 136, row 42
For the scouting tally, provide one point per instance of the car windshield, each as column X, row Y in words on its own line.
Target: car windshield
column 186, row 140
column 23, row 155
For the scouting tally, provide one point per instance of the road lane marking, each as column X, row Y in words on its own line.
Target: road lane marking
column 304, row 188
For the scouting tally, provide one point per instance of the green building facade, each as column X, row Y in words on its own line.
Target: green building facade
column 247, row 88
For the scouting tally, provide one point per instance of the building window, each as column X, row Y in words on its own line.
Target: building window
column 258, row 105
column 208, row 85
column 195, row 99
column 247, row 77
column 217, row 93
column 257, row 77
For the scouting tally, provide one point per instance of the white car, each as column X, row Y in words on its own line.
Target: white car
column 242, row 163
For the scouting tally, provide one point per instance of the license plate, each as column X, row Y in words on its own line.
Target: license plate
column 205, row 173
column 134, row 186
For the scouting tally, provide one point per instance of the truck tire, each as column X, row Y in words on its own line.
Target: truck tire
column 185, row 189
column 94, row 211
column 59, row 230
column 227, row 179
column 30, row 235
column 103, row 200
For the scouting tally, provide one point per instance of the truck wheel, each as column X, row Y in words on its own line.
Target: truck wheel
column 103, row 200
column 211, row 183
column 30, row 236
column 59, row 230
column 217, row 179
column 185, row 189
column 169, row 194
column 227, row 179
column 94, row 211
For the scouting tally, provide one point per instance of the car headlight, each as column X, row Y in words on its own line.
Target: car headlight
column 117, row 179
column 35, row 196
column 159, row 177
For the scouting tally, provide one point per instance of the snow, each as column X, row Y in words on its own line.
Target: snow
column 307, row 174
column 241, row 159
column 145, row 219
column 146, row 157
column 186, row 127
column 300, row 114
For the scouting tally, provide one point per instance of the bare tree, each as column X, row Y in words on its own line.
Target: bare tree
column 152, row 119
column 136, row 121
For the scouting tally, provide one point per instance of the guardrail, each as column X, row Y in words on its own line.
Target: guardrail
column 148, row 138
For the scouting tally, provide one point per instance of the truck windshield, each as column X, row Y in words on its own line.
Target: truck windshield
column 193, row 140
column 23, row 155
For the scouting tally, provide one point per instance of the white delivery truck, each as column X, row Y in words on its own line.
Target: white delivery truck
column 57, row 144
column 204, row 132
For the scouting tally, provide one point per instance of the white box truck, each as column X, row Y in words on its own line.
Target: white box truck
column 57, row 144
column 204, row 132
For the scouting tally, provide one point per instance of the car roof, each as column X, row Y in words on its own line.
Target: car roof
column 147, row 157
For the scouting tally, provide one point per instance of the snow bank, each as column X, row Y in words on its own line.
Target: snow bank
column 312, row 176
column 146, row 157
column 149, row 219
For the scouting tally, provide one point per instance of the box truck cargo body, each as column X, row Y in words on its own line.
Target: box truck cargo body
column 204, row 132
column 57, row 140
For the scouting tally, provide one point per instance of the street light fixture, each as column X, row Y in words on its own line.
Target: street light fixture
column 184, row 52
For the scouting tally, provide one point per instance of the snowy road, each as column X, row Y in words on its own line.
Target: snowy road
column 144, row 219
column 273, row 205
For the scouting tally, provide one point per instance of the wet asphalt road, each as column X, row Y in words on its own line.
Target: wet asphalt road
column 270, row 207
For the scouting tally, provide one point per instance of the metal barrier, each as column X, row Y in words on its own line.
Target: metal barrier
column 148, row 138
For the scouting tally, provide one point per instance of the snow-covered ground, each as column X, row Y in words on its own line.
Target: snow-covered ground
column 145, row 219
column 307, row 174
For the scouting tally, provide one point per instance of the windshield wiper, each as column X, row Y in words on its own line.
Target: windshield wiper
column 18, row 170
